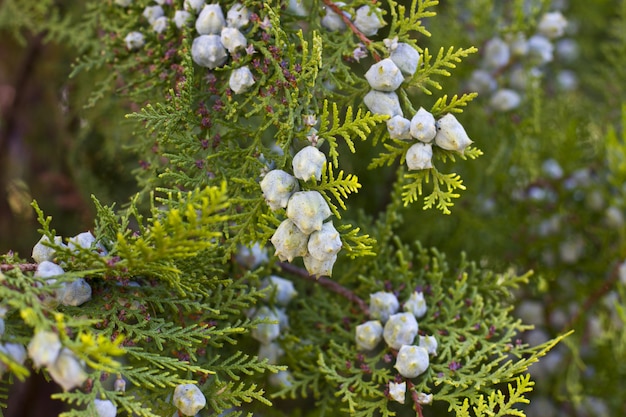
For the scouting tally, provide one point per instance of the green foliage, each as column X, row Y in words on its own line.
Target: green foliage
column 177, row 287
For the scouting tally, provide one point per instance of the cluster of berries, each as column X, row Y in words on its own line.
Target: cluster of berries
column 280, row 292
column 509, row 64
column 188, row 399
column 304, row 232
column 72, row 293
column 399, row 330
column 218, row 37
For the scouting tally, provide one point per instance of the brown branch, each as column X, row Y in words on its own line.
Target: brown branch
column 366, row 41
column 328, row 284
column 22, row 267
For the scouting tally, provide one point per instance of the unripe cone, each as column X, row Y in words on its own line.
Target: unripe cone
column 289, row 241
column 308, row 210
column 406, row 58
column 208, row 51
column 240, row 80
column 369, row 335
column 238, row 15
column 319, row 267
column 278, row 186
column 419, row 156
column 416, row 304
column 412, row 361
column 379, row 102
column 67, row 371
column 367, row 21
column 324, row 243
column 451, row 134
column 308, row 163
column 400, row 329
column 399, row 128
column 189, row 399
column 282, row 290
column 384, row 76
column 44, row 348
column 423, row 126
column 233, row 39
column 211, row 20
column 382, row 305
column 105, row 408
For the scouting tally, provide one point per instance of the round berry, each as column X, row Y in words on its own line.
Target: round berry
column 423, row 126
column 412, row 361
column 211, row 20
column 44, row 348
column 368, row 21
column 419, row 156
column 397, row 391
column 416, row 304
column 379, row 102
column 308, row 163
column 325, row 242
column 237, row 16
column 451, row 135
column 406, row 58
column 67, row 370
column 105, row 408
column 400, row 329
column 241, row 80
column 382, row 305
column 308, row 210
column 319, row 267
column 188, row 399
column 208, row 51
column 369, row 335
column 399, row 128
column 289, row 241
column 384, row 76
column 278, row 186
column 281, row 290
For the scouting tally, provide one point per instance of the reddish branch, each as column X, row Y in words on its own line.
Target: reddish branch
column 328, row 284
column 366, row 41
column 22, row 267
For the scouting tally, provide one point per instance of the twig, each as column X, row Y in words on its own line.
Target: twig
column 366, row 41
column 328, row 284
column 22, row 267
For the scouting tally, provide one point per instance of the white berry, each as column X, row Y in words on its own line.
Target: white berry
column 319, row 267
column 429, row 343
column 241, row 79
column 382, row 305
column 423, row 126
column 42, row 252
column 160, row 25
column 419, row 156
column 211, row 20
column 188, row 399
column 308, row 210
column 278, row 186
column 451, row 135
column 308, row 163
column 552, row 25
column 399, row 128
column 379, row 102
column 134, row 40
column 384, row 76
column 497, row 53
column 266, row 332
column 368, row 335
column 237, row 16
column 416, row 304
column 332, row 21
column 44, row 348
column 233, row 39
column 105, row 408
column 406, row 58
column 67, row 370
column 412, row 361
column 152, row 13
column 182, row 18
column 289, row 241
column 400, row 329
column 367, row 20
column 281, row 290
column 505, row 99
column 325, row 242
column 193, row 5
column 397, row 391
column 74, row 293
column 208, row 51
